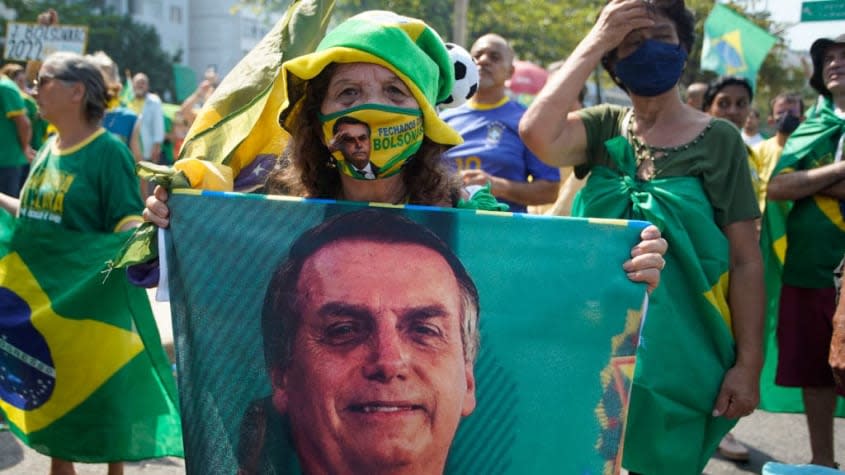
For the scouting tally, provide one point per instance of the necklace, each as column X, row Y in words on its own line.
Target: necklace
column 647, row 155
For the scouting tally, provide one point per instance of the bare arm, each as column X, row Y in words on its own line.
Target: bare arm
column 135, row 142
column 802, row 183
column 835, row 191
column 740, row 392
column 559, row 138
column 201, row 93
column 24, row 129
column 10, row 203
column 537, row 192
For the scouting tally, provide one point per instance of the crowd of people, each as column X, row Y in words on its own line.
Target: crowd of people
column 696, row 166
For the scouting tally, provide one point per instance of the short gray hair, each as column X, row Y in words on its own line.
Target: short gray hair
column 72, row 67
column 106, row 65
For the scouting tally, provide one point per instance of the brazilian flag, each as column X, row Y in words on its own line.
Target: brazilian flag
column 83, row 375
column 686, row 344
column 236, row 136
column 733, row 45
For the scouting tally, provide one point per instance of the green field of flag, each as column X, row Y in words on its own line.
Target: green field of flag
column 83, row 375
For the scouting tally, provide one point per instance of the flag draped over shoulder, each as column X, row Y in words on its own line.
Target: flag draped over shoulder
column 817, row 136
column 236, row 136
column 733, row 45
column 83, row 375
column 554, row 363
column 686, row 343
column 240, row 122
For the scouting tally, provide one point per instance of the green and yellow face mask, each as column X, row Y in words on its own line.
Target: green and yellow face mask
column 372, row 141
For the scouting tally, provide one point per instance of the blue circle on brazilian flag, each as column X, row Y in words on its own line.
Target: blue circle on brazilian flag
column 27, row 373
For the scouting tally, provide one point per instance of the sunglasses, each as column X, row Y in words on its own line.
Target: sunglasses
column 43, row 79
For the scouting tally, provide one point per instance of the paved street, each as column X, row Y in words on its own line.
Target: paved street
column 772, row 437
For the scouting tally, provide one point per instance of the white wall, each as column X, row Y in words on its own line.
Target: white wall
column 170, row 18
column 218, row 37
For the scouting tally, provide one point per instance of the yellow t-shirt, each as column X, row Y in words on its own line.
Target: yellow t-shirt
column 137, row 105
column 765, row 158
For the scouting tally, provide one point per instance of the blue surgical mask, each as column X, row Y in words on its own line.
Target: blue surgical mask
column 654, row 68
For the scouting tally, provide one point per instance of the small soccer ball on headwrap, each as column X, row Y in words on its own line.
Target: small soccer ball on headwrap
column 466, row 76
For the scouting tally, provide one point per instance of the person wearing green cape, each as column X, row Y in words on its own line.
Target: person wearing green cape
column 700, row 349
column 811, row 175
column 96, row 386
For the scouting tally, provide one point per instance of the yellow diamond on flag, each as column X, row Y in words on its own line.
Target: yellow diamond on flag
column 718, row 297
column 42, row 378
column 729, row 49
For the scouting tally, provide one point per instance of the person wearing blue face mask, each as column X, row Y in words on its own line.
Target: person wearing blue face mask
column 700, row 353
column 785, row 115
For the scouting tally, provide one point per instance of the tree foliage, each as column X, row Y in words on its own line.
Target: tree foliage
column 543, row 32
column 131, row 45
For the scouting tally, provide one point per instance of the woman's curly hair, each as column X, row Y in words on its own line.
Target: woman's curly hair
column 305, row 167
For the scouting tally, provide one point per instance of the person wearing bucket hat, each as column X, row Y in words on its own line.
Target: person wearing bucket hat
column 810, row 176
column 388, row 71
column 817, row 53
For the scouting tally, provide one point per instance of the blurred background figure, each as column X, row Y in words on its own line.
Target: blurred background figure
column 118, row 119
column 492, row 152
column 39, row 126
column 695, row 94
column 786, row 113
column 751, row 129
column 150, row 118
column 15, row 136
column 193, row 103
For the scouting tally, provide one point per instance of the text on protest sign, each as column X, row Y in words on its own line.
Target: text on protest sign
column 31, row 41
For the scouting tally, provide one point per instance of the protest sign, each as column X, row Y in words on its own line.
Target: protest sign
column 31, row 41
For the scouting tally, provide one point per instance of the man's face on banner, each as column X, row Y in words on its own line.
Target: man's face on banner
column 377, row 376
column 355, row 144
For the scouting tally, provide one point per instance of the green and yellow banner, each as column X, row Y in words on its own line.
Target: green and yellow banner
column 558, row 330
column 83, row 375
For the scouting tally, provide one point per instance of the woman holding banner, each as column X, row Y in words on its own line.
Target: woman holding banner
column 394, row 91
column 700, row 353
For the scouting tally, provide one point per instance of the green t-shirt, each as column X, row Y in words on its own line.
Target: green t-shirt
column 39, row 125
column 11, row 105
column 718, row 158
column 167, row 157
column 90, row 187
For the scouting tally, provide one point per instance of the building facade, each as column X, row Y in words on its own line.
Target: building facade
column 207, row 32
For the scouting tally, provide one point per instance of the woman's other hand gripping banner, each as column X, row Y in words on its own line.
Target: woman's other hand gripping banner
column 315, row 335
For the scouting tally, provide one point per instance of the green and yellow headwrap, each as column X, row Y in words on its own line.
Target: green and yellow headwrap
column 406, row 46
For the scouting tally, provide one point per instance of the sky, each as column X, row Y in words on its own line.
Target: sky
column 801, row 35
